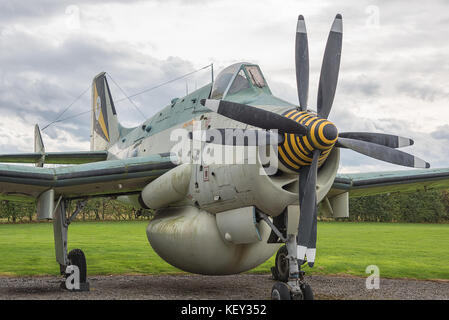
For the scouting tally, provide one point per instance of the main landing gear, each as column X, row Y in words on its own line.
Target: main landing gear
column 72, row 265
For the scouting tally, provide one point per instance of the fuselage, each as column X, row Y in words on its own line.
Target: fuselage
column 154, row 136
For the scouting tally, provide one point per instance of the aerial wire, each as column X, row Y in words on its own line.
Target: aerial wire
column 58, row 118
column 164, row 83
column 127, row 97
column 67, row 108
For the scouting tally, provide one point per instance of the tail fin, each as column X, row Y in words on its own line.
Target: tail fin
column 105, row 129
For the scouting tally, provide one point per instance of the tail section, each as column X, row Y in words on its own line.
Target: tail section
column 105, row 129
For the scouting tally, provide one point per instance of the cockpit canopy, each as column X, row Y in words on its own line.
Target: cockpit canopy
column 238, row 78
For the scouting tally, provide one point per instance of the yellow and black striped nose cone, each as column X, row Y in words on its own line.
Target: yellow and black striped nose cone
column 323, row 134
column 330, row 132
column 296, row 151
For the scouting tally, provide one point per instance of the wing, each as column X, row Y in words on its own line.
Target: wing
column 364, row 184
column 105, row 178
column 56, row 157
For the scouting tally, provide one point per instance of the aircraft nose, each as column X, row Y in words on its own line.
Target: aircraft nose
column 323, row 134
column 297, row 150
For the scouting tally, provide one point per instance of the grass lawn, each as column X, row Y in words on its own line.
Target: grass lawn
column 399, row 250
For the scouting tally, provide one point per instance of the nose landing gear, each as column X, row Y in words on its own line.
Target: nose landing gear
column 291, row 283
column 289, row 286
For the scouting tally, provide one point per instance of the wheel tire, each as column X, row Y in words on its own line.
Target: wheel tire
column 77, row 258
column 280, row 291
column 282, row 265
column 307, row 292
column 274, row 273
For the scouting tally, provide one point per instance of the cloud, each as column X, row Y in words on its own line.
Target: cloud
column 361, row 85
column 423, row 91
column 441, row 133
column 38, row 81
column 22, row 10
column 392, row 78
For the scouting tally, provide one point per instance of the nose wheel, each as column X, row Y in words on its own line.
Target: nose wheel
column 280, row 271
column 289, row 286
column 283, row 291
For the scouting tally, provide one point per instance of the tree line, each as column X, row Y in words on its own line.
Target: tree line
column 430, row 206
column 420, row 207
column 96, row 209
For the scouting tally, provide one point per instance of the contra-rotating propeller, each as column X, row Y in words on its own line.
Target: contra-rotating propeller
column 375, row 145
column 307, row 229
column 303, row 130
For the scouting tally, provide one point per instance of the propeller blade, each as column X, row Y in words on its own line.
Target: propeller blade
column 302, row 63
column 311, row 247
column 240, row 137
column 308, row 211
column 387, row 140
column 254, row 116
column 330, row 68
column 383, row 153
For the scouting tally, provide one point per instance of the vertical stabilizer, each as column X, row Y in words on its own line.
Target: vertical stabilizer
column 104, row 123
column 39, row 146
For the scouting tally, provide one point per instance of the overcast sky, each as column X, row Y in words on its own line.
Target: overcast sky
column 393, row 75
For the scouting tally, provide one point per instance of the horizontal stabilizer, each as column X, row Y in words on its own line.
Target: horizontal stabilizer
column 78, row 157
